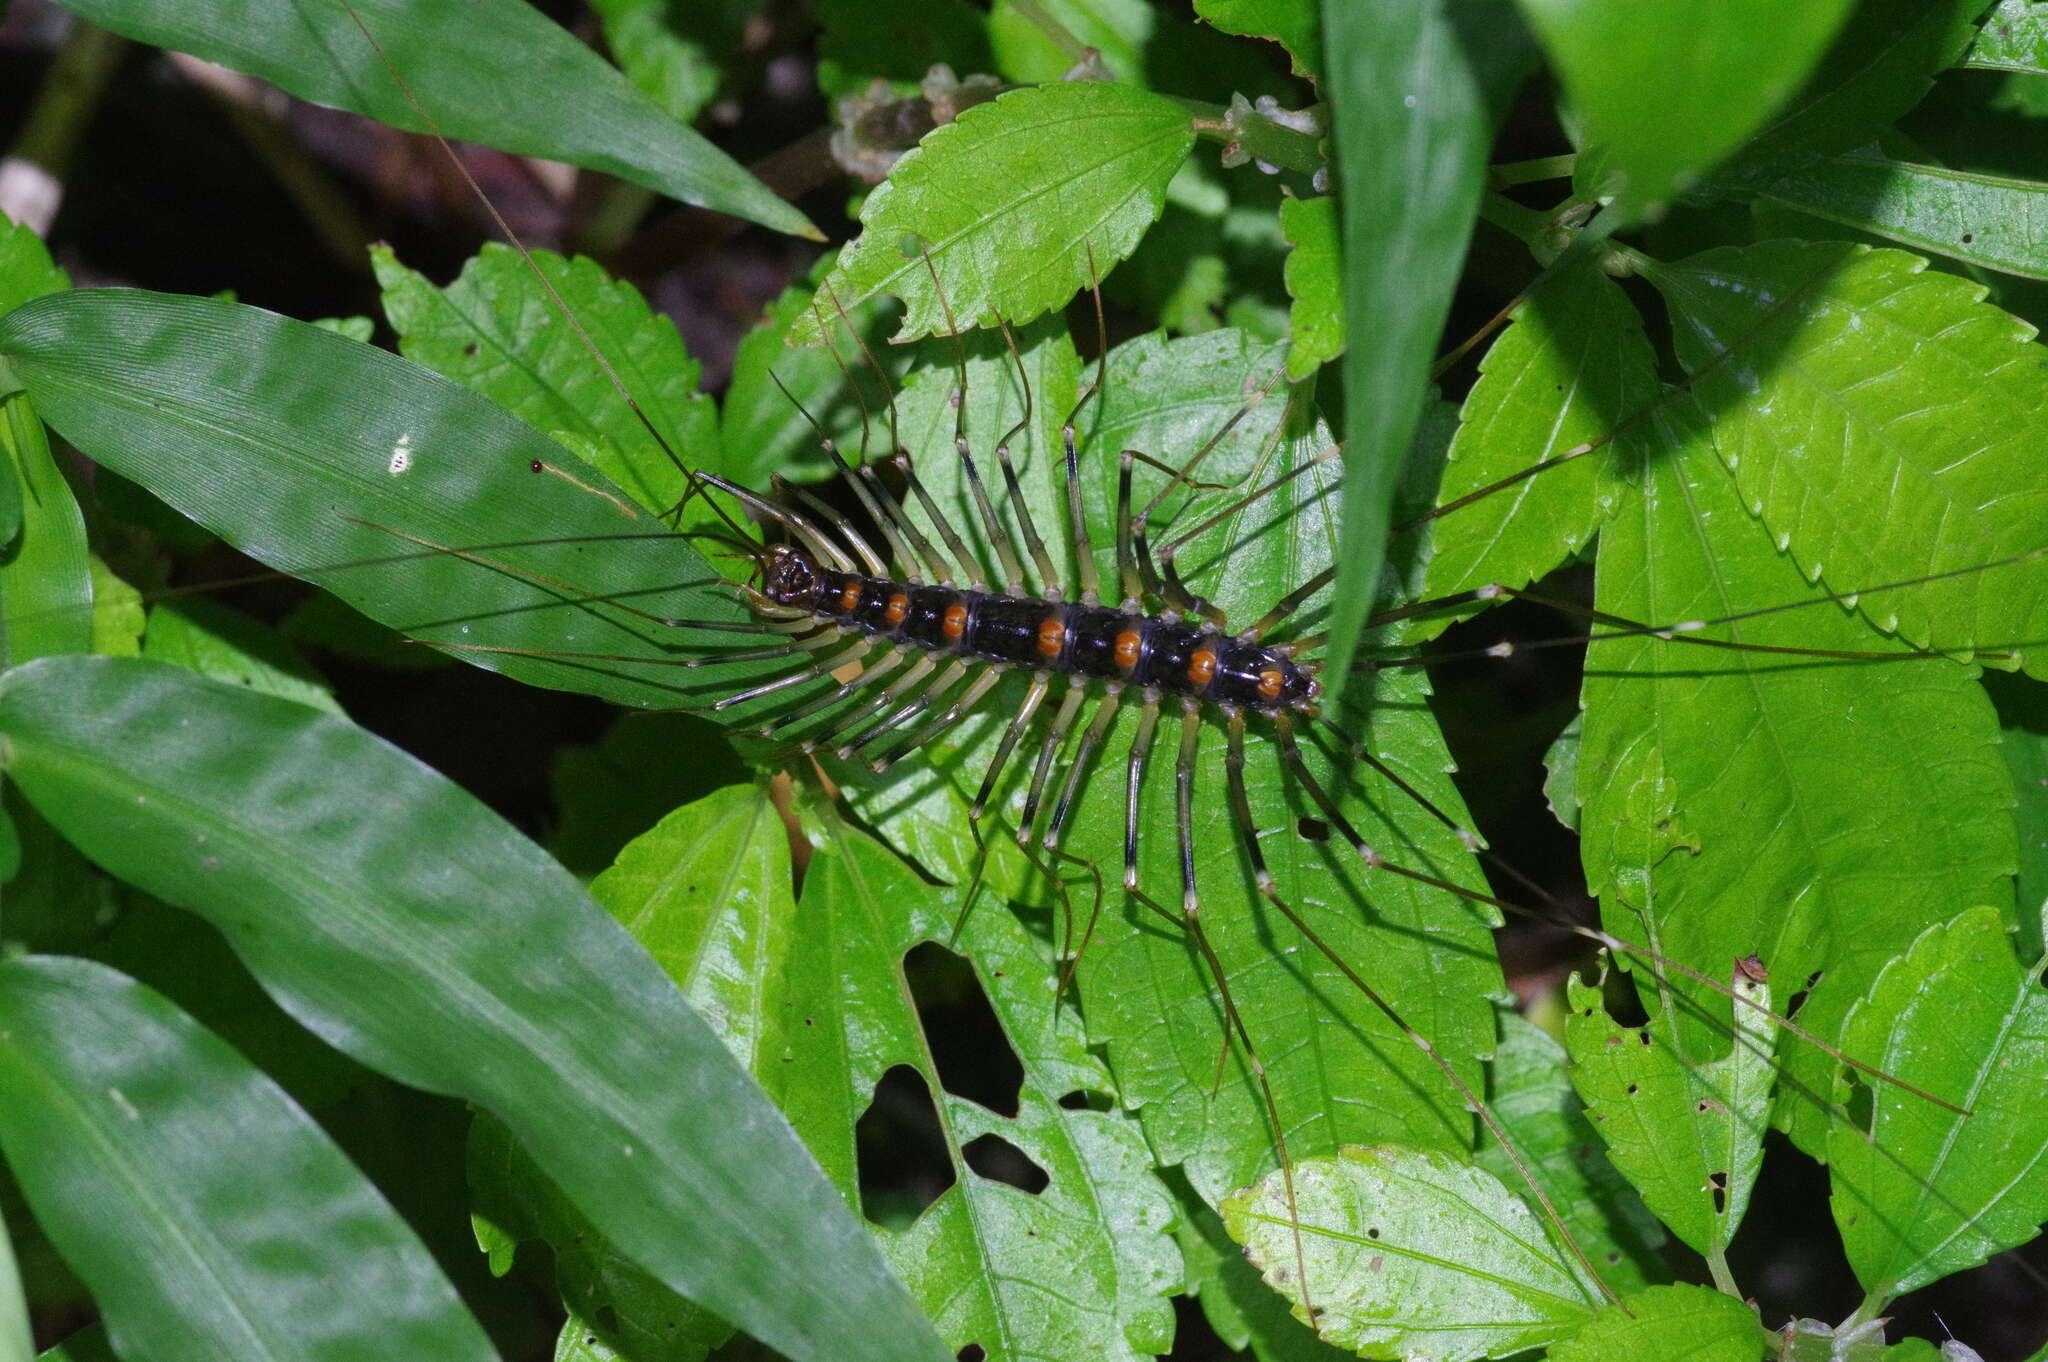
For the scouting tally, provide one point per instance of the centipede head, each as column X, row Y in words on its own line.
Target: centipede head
column 788, row 577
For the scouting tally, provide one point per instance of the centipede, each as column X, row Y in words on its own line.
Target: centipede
column 1060, row 640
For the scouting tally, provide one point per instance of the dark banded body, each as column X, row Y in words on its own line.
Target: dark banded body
column 1097, row 642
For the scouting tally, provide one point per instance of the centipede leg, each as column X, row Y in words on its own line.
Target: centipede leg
column 1062, row 722
column 921, row 667
column 890, row 659
column 1077, row 770
column 1134, row 781
column 969, row 698
column 944, row 682
column 1041, row 682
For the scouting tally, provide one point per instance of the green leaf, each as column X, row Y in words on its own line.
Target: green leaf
column 1531, row 1095
column 1688, row 1135
column 206, row 637
column 1403, row 239
column 2014, row 37
column 1008, row 204
column 762, row 430
column 1080, row 1268
column 1834, row 373
column 87, row 1345
column 348, row 465
column 897, row 40
column 1238, row 1305
column 2023, row 739
column 1314, row 281
column 1678, row 1323
column 673, row 53
column 566, row 105
column 1415, row 1254
column 1880, row 66
column 26, row 270
column 365, row 926
column 1666, row 92
column 15, row 1343
column 1719, row 826
column 46, row 582
column 497, row 331
column 1562, row 382
column 1986, row 220
column 1291, row 23
column 1923, row 1191
column 118, row 1107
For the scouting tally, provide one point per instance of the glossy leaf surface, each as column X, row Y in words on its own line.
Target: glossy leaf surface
column 254, row 812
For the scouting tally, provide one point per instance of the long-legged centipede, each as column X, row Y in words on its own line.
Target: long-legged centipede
column 941, row 684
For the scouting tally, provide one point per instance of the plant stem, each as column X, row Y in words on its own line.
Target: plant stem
column 1529, row 172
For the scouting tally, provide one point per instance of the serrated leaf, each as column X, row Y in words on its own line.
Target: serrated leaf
column 1983, row 220
column 1532, row 1097
column 1879, row 67
column 1242, row 1310
column 1567, row 375
column 252, row 812
column 1667, row 92
column 1402, row 240
column 498, row 332
column 1678, row 1323
column 1719, row 827
column 1929, row 1191
column 1314, row 281
column 1007, row 203
column 2023, row 739
column 117, row 1109
column 1413, row 1254
column 1291, row 23
column 341, row 462
column 567, row 104
column 1688, row 1135
column 1838, row 409
column 1082, row 1267
column 2014, row 37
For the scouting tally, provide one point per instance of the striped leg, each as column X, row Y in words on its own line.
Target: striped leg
column 959, row 709
column 948, row 678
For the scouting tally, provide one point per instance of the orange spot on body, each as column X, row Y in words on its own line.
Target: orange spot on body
column 850, row 597
column 1128, row 646
column 1271, row 683
column 1202, row 667
column 954, row 622
column 1052, row 636
column 898, row 607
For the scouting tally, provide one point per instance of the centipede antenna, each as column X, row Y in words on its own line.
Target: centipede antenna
column 862, row 550
column 875, row 365
column 1173, row 546
column 800, row 525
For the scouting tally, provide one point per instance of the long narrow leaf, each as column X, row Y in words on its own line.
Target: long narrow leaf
column 492, row 71
column 1410, row 83
column 116, row 1110
column 410, row 927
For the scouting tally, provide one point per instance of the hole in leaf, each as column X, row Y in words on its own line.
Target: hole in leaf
column 973, row 1352
column 1861, row 1106
column 1632, row 1090
column 900, row 1151
column 1312, row 829
column 1085, row 1099
column 996, row 1159
column 967, row 1043
column 1717, row 1183
column 1373, row 1233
